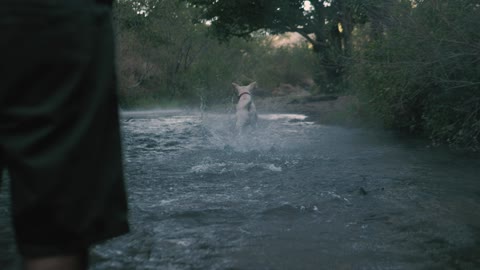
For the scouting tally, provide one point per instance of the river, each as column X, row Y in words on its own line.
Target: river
column 292, row 194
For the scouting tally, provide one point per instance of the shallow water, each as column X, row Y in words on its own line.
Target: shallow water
column 292, row 194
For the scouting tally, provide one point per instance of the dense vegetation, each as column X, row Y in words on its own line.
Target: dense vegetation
column 423, row 74
column 167, row 57
column 414, row 64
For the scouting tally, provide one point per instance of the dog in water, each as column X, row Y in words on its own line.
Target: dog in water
column 246, row 112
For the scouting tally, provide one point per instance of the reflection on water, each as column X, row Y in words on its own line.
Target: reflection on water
column 290, row 195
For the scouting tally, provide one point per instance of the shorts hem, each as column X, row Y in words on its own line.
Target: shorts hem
column 51, row 250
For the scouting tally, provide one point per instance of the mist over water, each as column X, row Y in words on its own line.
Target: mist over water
column 291, row 194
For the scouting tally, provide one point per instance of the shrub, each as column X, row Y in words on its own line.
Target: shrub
column 423, row 74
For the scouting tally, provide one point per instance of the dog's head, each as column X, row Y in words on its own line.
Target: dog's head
column 244, row 89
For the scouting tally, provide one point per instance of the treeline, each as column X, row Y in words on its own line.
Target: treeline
column 415, row 65
column 167, row 57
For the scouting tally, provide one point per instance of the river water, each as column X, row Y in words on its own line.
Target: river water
column 292, row 194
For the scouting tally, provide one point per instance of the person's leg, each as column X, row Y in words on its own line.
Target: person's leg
column 78, row 261
column 67, row 262
column 60, row 130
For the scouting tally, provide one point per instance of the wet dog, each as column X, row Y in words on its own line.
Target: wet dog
column 246, row 112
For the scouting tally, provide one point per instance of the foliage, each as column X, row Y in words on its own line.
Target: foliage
column 326, row 24
column 165, row 58
column 423, row 74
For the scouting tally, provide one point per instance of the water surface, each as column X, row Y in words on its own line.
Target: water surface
column 293, row 194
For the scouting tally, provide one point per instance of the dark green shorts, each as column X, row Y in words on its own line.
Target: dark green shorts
column 59, row 128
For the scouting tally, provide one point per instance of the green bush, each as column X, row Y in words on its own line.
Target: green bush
column 423, row 74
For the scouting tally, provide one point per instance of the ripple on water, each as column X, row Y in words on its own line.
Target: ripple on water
column 228, row 167
column 289, row 195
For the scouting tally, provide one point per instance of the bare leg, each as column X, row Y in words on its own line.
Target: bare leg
column 66, row 262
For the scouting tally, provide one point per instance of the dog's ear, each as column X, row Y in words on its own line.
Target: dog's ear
column 252, row 86
column 236, row 87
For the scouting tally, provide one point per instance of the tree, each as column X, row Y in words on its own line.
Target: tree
column 158, row 46
column 326, row 24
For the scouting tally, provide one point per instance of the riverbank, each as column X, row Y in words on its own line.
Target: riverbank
column 324, row 109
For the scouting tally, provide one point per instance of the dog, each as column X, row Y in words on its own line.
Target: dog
column 246, row 113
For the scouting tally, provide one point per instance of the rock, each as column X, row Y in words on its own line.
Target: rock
column 362, row 191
